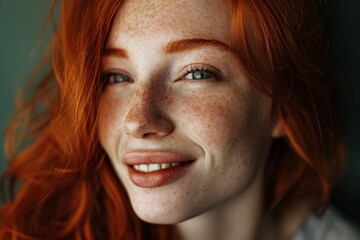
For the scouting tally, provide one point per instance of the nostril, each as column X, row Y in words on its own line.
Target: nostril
column 148, row 125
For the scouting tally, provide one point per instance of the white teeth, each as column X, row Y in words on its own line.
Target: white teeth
column 154, row 167
column 165, row 165
column 143, row 168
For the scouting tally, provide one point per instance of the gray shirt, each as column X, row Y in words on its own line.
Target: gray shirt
column 330, row 226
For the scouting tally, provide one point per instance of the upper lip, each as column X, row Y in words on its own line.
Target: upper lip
column 150, row 157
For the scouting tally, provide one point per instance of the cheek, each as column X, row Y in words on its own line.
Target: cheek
column 233, row 128
column 216, row 119
column 110, row 118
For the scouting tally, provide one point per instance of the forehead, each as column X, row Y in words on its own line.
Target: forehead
column 170, row 19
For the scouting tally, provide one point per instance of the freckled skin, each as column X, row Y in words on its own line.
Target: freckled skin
column 224, row 123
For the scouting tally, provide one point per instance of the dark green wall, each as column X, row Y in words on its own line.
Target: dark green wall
column 346, row 195
column 21, row 23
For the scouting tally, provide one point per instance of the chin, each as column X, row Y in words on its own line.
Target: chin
column 164, row 214
column 161, row 217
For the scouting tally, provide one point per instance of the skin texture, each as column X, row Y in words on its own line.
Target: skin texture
column 222, row 122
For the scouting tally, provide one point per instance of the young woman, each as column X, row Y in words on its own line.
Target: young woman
column 178, row 120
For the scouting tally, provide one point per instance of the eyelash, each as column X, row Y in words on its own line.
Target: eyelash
column 215, row 73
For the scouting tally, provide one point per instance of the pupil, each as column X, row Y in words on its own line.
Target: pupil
column 197, row 75
column 119, row 78
column 200, row 75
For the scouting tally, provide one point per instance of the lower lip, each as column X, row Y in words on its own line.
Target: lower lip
column 158, row 178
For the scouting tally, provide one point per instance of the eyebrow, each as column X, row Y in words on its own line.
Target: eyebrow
column 113, row 51
column 177, row 46
column 195, row 43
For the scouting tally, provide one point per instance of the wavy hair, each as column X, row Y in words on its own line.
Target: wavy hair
column 59, row 183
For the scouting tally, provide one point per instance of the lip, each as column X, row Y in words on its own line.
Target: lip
column 160, row 177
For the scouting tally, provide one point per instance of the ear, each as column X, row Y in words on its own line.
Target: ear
column 278, row 129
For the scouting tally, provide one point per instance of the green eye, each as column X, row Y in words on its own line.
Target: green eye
column 201, row 72
column 199, row 75
column 117, row 78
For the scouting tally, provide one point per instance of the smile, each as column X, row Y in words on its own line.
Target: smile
column 150, row 169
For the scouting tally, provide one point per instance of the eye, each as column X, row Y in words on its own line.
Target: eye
column 117, row 78
column 201, row 72
column 199, row 75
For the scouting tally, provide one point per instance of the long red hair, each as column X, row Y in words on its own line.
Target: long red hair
column 59, row 183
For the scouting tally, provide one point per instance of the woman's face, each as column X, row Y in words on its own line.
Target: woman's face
column 175, row 94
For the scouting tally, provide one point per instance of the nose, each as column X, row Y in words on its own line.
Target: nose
column 146, row 117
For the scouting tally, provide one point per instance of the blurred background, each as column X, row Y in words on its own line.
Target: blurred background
column 21, row 46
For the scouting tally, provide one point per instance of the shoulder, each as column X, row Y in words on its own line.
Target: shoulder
column 330, row 226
